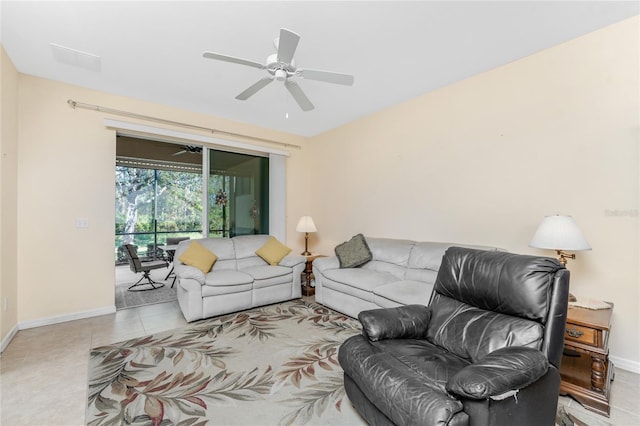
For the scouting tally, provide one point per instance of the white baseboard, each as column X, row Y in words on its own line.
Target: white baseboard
column 7, row 339
column 626, row 364
column 66, row 317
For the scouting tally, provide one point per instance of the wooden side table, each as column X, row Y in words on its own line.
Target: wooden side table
column 307, row 275
column 586, row 370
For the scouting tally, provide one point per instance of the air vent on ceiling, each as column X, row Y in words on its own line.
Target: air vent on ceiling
column 74, row 57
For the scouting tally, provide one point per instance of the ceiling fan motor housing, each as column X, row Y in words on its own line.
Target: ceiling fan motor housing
column 280, row 70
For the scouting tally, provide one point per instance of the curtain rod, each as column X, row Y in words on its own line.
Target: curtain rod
column 74, row 104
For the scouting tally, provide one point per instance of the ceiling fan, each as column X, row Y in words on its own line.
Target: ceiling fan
column 282, row 67
column 189, row 149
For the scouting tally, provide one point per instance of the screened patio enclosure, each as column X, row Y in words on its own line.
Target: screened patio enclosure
column 160, row 191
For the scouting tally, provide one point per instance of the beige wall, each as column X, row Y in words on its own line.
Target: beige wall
column 66, row 171
column 8, row 194
column 482, row 161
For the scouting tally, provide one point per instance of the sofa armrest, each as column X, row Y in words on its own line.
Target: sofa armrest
column 186, row 271
column 291, row 260
column 503, row 370
column 323, row 263
column 403, row 322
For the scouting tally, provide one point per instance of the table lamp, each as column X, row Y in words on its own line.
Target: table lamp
column 306, row 225
column 560, row 233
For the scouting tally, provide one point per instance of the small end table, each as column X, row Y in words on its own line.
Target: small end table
column 586, row 370
column 307, row 275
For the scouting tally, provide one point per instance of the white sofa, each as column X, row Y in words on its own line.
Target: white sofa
column 401, row 272
column 239, row 279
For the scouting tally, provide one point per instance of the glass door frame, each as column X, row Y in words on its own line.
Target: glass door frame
column 277, row 162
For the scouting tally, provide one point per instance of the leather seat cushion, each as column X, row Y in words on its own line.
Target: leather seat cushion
column 405, row 379
column 472, row 333
column 434, row 364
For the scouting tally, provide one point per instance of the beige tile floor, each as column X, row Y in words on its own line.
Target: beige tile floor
column 43, row 372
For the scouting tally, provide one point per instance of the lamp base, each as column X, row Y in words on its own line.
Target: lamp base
column 306, row 251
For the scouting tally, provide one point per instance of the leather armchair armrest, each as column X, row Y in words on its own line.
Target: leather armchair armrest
column 186, row 271
column 403, row 322
column 503, row 370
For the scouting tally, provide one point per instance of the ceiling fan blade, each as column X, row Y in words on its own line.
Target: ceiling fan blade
column 299, row 95
column 287, row 45
column 233, row 59
column 251, row 90
column 326, row 76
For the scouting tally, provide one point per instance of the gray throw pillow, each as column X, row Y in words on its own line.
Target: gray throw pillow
column 353, row 253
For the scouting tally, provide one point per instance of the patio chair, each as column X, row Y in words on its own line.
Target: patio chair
column 173, row 241
column 138, row 266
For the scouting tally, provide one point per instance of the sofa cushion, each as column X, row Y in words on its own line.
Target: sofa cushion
column 417, row 274
column 391, row 250
column 218, row 290
column 227, row 278
column 265, row 271
column 273, row 251
column 246, row 245
column 353, row 253
column 270, row 282
column 363, row 279
column 427, row 255
column 402, row 293
column 222, row 247
column 391, row 268
column 198, row 256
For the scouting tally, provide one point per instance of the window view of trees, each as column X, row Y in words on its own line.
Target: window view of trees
column 152, row 205
column 219, row 219
column 159, row 194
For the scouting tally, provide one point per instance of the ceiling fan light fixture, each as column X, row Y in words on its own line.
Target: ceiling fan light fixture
column 281, row 75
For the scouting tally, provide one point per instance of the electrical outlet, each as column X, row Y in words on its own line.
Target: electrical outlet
column 82, row 222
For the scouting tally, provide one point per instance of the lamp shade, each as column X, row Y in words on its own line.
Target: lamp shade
column 559, row 233
column 305, row 224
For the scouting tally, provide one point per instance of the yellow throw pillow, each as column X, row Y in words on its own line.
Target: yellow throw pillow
column 273, row 251
column 199, row 256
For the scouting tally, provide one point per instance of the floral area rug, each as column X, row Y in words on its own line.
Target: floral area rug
column 275, row 365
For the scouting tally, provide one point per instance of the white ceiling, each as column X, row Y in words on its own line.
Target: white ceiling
column 152, row 50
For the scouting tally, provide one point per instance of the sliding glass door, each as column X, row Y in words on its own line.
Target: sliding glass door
column 160, row 187
column 153, row 204
column 238, row 194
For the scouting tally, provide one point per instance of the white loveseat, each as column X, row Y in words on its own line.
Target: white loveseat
column 401, row 272
column 239, row 279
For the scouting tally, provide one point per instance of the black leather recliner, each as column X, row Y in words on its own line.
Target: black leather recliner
column 486, row 351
